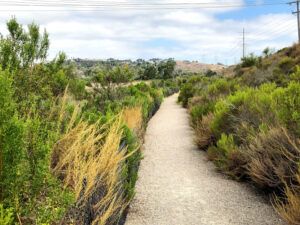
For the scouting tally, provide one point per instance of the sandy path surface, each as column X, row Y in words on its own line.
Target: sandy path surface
column 178, row 186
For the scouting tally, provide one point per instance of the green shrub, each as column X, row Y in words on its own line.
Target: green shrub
column 220, row 87
column 210, row 73
column 287, row 104
column 286, row 64
column 251, row 106
column 250, row 60
column 60, row 82
column 198, row 111
column 77, row 88
column 296, row 75
column 6, row 216
column 227, row 157
column 187, row 91
column 11, row 134
column 130, row 170
column 226, row 144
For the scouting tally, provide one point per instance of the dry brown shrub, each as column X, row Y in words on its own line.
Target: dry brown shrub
column 236, row 164
column 197, row 100
column 273, row 159
column 293, row 51
column 213, row 153
column 204, row 135
column 289, row 208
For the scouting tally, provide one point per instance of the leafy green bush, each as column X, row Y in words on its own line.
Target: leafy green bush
column 296, row 75
column 250, row 108
column 198, row 111
column 210, row 73
column 6, row 216
column 250, row 60
column 186, row 92
column 11, row 134
column 286, row 64
column 220, row 87
column 150, row 72
column 225, row 146
column 130, row 171
column 287, row 104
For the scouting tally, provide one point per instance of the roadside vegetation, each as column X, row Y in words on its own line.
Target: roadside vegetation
column 69, row 142
column 249, row 124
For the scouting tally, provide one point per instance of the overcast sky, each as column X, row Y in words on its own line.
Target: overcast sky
column 206, row 35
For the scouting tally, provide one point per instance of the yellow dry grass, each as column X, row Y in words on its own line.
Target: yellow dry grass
column 133, row 117
column 88, row 159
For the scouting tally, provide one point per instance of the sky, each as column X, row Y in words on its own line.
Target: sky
column 208, row 35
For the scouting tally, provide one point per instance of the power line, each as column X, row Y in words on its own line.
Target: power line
column 121, row 2
column 278, row 22
column 278, row 30
column 98, row 6
column 115, row 3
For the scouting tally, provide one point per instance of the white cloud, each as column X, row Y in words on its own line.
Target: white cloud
column 183, row 34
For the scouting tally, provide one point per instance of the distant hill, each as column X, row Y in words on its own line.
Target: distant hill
column 274, row 67
column 196, row 67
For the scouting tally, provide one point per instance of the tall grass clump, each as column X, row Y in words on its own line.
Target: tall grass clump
column 90, row 162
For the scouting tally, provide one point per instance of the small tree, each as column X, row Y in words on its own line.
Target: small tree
column 21, row 49
column 150, row 72
column 267, row 52
column 210, row 73
column 166, row 69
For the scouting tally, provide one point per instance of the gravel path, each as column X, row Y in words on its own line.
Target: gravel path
column 178, row 186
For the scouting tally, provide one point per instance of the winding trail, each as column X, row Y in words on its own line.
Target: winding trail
column 178, row 186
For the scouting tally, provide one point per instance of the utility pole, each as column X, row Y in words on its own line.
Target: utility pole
column 298, row 16
column 244, row 44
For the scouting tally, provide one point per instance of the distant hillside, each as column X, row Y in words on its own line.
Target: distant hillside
column 196, row 67
column 270, row 67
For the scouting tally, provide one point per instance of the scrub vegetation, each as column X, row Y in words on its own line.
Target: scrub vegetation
column 249, row 124
column 71, row 130
column 69, row 142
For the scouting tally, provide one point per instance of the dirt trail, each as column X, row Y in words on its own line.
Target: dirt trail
column 178, row 186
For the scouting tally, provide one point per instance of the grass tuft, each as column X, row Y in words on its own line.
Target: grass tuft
column 90, row 162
